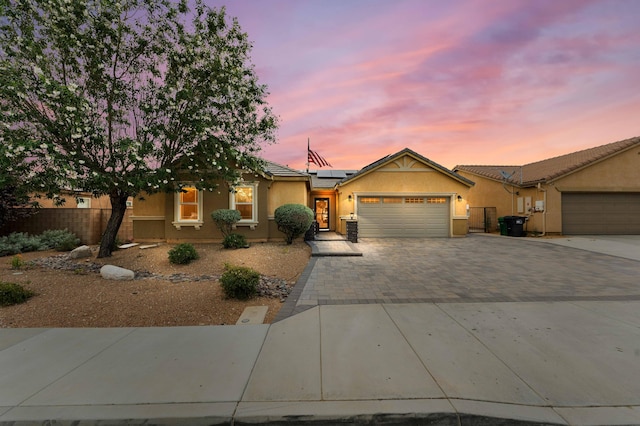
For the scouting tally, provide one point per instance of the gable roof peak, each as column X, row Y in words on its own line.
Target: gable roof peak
column 555, row 167
column 391, row 157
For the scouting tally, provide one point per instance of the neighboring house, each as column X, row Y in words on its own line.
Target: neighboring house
column 594, row 191
column 401, row 195
column 84, row 215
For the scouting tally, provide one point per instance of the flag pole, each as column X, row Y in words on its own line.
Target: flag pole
column 308, row 148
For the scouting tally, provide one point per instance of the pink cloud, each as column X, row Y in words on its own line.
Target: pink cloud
column 459, row 82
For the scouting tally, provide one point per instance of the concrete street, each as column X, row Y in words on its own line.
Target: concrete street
column 526, row 332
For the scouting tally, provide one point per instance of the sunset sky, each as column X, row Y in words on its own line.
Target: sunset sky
column 458, row 81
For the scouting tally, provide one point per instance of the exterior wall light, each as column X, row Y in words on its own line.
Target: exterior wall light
column 459, row 198
column 350, row 198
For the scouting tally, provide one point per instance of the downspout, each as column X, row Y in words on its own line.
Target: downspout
column 544, row 210
column 544, row 215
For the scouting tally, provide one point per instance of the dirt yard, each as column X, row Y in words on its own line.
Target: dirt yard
column 167, row 295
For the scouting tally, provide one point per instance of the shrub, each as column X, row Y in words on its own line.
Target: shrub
column 12, row 294
column 8, row 247
column 234, row 241
column 239, row 282
column 293, row 220
column 183, row 254
column 19, row 242
column 225, row 219
column 60, row 239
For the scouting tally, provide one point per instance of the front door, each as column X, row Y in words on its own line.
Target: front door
column 322, row 212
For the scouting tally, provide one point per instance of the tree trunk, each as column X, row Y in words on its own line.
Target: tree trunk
column 118, row 209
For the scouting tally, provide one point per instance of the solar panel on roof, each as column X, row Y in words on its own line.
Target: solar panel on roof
column 335, row 174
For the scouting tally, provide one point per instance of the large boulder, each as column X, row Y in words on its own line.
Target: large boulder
column 80, row 252
column 111, row 272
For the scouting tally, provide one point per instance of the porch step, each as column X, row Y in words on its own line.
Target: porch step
column 333, row 248
column 329, row 236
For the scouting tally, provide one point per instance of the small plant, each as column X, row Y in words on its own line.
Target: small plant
column 17, row 262
column 293, row 220
column 12, row 294
column 225, row 219
column 183, row 254
column 239, row 282
column 234, row 241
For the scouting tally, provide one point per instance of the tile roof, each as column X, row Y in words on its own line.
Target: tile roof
column 552, row 168
column 276, row 169
column 398, row 154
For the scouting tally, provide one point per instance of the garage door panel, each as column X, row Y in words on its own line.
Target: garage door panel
column 404, row 219
column 601, row 213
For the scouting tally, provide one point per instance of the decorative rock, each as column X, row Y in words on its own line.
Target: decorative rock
column 80, row 252
column 268, row 287
column 110, row 272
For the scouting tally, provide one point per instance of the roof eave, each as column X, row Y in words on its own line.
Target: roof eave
column 291, row 178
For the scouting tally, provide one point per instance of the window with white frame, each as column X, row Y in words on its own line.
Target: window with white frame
column 244, row 198
column 188, row 208
column 83, row 202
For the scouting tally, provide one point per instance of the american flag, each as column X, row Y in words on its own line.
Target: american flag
column 317, row 159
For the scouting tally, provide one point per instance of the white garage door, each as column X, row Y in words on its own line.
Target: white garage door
column 601, row 213
column 417, row 217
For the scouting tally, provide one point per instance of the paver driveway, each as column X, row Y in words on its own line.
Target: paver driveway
column 473, row 269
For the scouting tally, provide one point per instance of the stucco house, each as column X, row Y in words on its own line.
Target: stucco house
column 400, row 195
column 593, row 191
column 186, row 216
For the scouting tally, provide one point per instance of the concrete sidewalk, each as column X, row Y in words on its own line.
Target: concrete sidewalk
column 446, row 364
column 481, row 362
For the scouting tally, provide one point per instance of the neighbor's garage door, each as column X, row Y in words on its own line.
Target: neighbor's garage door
column 600, row 213
column 386, row 217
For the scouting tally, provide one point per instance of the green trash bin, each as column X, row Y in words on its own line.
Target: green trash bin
column 503, row 226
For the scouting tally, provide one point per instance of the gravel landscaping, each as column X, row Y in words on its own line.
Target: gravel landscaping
column 71, row 293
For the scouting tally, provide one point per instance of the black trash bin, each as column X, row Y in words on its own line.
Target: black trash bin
column 508, row 224
column 517, row 226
